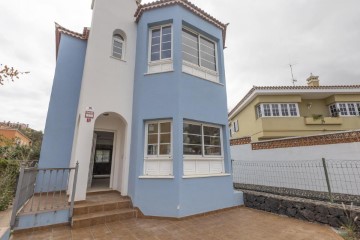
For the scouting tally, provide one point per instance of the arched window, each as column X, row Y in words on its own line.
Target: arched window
column 118, row 45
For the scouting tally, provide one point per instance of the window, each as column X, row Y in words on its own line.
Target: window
column 160, row 44
column 202, row 149
column 344, row 109
column 158, row 148
column 198, row 50
column 258, row 111
column 284, row 110
column 118, row 44
column 236, row 126
column 103, row 156
column 277, row 110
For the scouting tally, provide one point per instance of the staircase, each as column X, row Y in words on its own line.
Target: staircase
column 102, row 207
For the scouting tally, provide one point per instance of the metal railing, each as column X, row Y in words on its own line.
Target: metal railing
column 44, row 189
column 324, row 179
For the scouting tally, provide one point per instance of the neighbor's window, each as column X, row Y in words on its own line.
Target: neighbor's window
column 277, row 110
column 118, row 46
column 236, row 126
column 160, row 43
column 158, row 148
column 344, row 109
column 198, row 50
column 202, row 148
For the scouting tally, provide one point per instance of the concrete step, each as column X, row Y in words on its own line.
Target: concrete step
column 93, row 207
column 101, row 217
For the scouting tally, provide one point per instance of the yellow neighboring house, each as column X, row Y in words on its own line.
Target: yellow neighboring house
column 287, row 111
column 20, row 138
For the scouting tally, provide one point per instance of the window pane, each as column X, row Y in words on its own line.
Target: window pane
column 342, row 108
column 165, row 127
column 153, row 128
column 351, row 107
column 166, row 30
column 191, row 128
column 258, row 111
column 275, row 110
column 293, row 110
column 267, row 111
column 212, row 141
column 155, row 56
column 152, row 150
column 190, row 47
column 117, row 55
column 211, row 131
column 155, row 48
column 152, row 139
column 207, row 54
column 192, row 139
column 192, row 149
column 165, row 149
column 284, row 110
column 333, row 111
column 165, row 138
column 165, row 54
column 117, row 43
column 166, row 46
column 155, row 33
column 210, row 150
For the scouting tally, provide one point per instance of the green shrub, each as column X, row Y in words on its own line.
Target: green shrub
column 9, row 171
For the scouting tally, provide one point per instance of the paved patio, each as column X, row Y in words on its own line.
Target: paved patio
column 241, row 223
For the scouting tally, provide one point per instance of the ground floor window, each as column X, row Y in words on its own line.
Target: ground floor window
column 158, row 148
column 202, row 148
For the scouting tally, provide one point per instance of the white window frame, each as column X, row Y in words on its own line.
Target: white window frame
column 236, row 125
column 204, row 160
column 122, row 41
column 261, row 113
column 158, row 158
column 339, row 114
column 196, row 69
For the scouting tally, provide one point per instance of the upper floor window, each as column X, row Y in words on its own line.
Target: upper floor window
column 198, row 50
column 118, row 44
column 344, row 109
column 236, row 126
column 160, row 43
column 277, row 110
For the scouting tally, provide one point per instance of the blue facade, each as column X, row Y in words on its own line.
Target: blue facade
column 61, row 117
column 177, row 96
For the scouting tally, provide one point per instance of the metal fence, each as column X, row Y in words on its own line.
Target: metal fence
column 43, row 189
column 323, row 179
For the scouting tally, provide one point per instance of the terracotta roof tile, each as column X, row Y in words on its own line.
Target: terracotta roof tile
column 185, row 3
column 61, row 30
column 279, row 88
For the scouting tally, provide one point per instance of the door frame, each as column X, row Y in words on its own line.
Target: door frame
column 112, row 177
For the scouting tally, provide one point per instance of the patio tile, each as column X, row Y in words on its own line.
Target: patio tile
column 242, row 223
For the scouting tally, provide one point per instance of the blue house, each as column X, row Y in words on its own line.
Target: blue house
column 139, row 101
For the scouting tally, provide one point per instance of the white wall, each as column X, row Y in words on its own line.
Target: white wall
column 300, row 167
column 107, row 84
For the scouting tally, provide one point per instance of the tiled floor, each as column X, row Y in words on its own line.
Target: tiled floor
column 241, row 223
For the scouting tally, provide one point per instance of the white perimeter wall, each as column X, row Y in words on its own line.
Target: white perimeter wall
column 299, row 167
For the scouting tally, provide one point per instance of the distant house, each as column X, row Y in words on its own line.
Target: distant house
column 16, row 135
column 288, row 111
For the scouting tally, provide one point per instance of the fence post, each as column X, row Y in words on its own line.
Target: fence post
column 17, row 196
column 327, row 179
column 74, row 189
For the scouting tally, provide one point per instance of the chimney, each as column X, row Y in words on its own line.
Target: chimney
column 313, row 81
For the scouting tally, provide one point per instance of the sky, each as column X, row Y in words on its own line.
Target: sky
column 321, row 37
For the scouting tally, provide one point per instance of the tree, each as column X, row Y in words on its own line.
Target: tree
column 9, row 73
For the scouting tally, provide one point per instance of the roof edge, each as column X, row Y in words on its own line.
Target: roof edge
column 284, row 88
column 186, row 4
column 61, row 30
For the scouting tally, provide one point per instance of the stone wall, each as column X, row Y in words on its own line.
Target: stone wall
column 324, row 139
column 304, row 209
